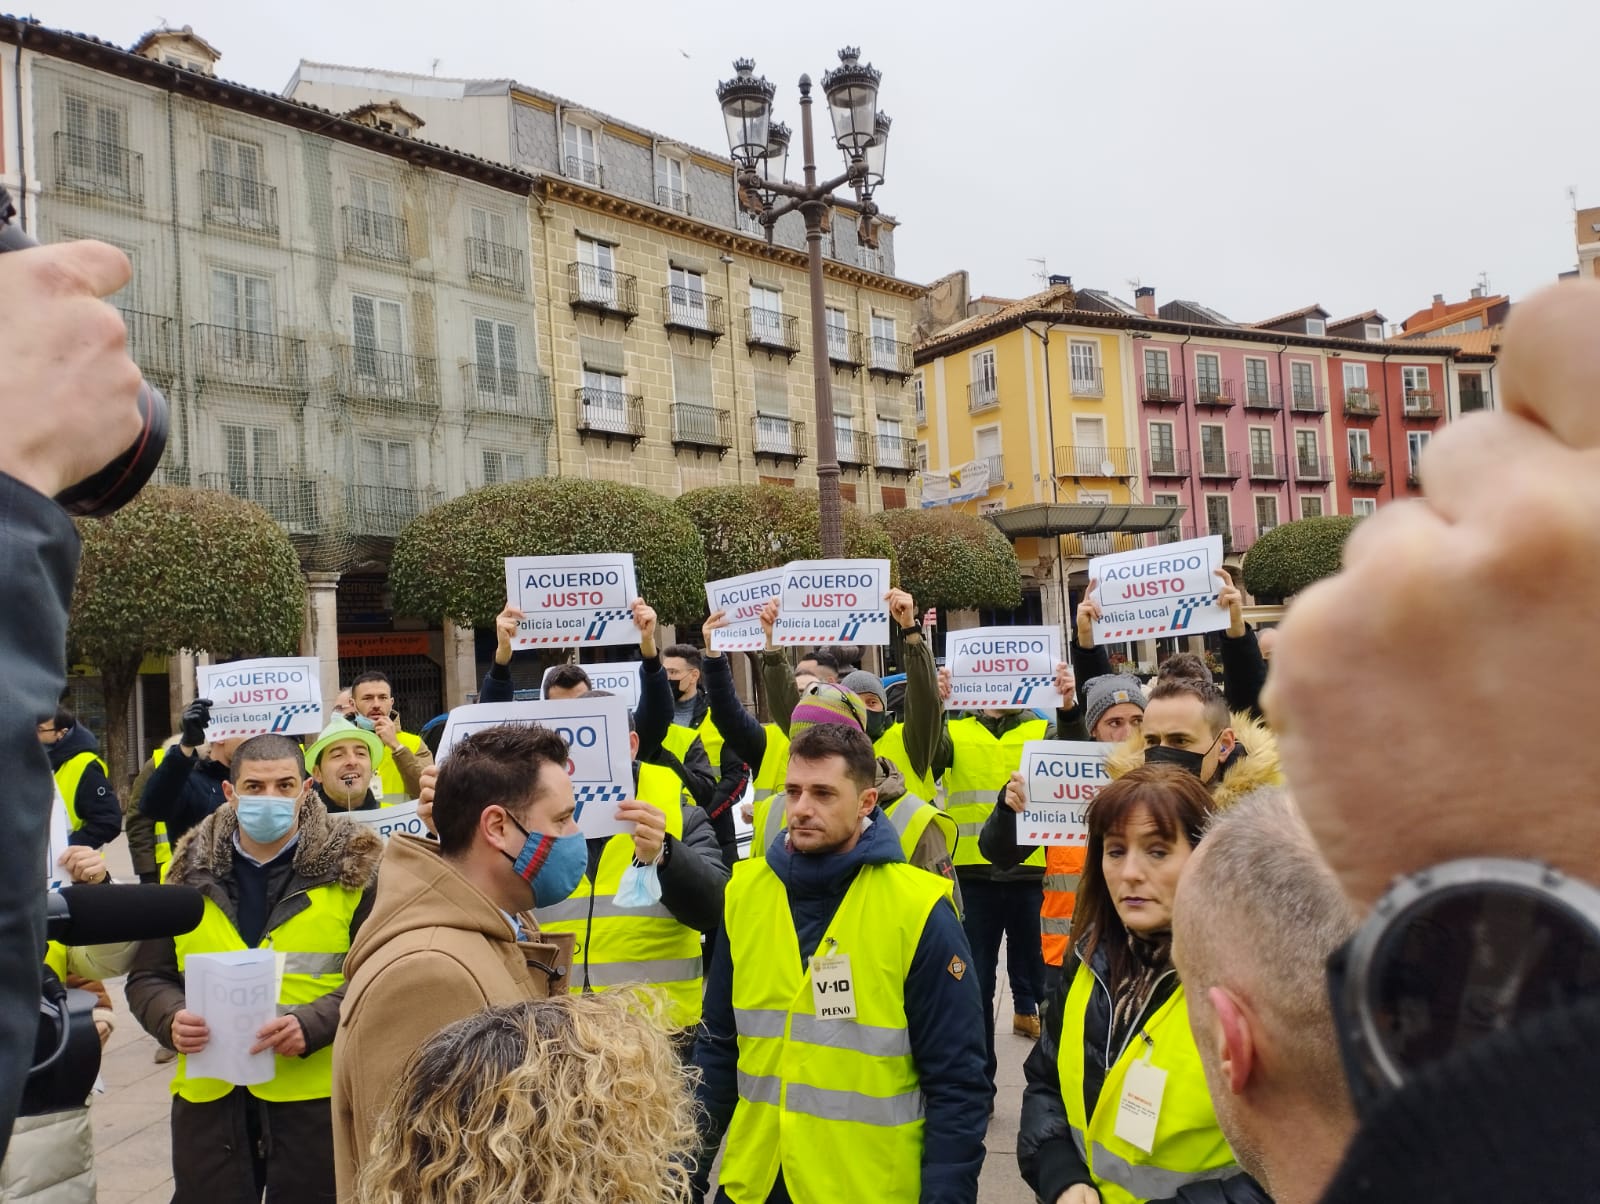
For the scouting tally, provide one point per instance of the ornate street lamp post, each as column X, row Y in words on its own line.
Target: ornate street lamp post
column 760, row 150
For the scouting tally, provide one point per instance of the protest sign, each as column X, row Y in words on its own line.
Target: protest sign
column 252, row 698
column 1165, row 590
column 572, row 601
column 60, row 835
column 236, row 994
column 1009, row 667
column 387, row 821
column 596, row 732
column 834, row 602
column 620, row 678
column 742, row 597
column 1062, row 778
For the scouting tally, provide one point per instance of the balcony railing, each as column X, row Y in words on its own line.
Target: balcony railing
column 496, row 263
column 894, row 453
column 1244, row 538
column 368, row 374
column 384, row 510
column 672, row 198
column 1312, row 468
column 1091, row 461
column 1368, row 472
column 769, row 330
column 1261, row 396
column 377, row 235
column 1162, row 389
column 1168, row 461
column 1219, row 466
column 1307, row 399
column 1421, row 403
column 701, row 428
column 1270, row 467
column 1100, row 543
column 247, row 357
column 692, row 312
column 844, row 347
column 982, row 395
column 997, row 469
column 290, row 497
column 1218, row 394
column 779, row 438
column 611, row 414
column 239, row 202
column 850, row 446
column 490, row 389
column 603, row 291
column 1361, row 403
column 585, row 171
column 149, row 341
column 889, row 357
column 1088, row 382
column 103, row 169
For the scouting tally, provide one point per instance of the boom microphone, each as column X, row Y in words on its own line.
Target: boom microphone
column 112, row 915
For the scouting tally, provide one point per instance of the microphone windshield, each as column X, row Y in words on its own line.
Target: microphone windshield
column 110, row 915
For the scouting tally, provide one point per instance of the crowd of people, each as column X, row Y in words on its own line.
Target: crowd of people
column 506, row 1011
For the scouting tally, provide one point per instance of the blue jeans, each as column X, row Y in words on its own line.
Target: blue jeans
column 1010, row 909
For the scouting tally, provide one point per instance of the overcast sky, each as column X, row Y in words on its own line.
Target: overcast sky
column 1255, row 155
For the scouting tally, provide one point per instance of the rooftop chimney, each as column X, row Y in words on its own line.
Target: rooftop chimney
column 1057, row 281
column 1145, row 298
column 1477, row 293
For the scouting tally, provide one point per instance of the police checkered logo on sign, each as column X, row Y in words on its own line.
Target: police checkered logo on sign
column 1027, row 685
column 597, row 625
column 853, row 622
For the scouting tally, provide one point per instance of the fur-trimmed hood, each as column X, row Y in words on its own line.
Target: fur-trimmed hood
column 1257, row 766
column 330, row 849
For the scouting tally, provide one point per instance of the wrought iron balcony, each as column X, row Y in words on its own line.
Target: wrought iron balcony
column 1163, row 389
column 585, row 171
column 103, row 169
column 1367, row 472
column 771, row 331
column 367, row 374
column 1106, row 462
column 1262, row 396
column 495, row 263
column 889, row 357
column 1272, row 467
column 692, row 312
column 894, row 453
column 525, row 396
column 150, row 341
column 376, row 235
column 1307, row 399
column 851, row 446
column 248, row 357
column 672, row 198
column 997, row 469
column 1101, row 543
column 779, row 438
column 240, row 203
column 701, row 428
column 610, row 414
column 1218, row 394
column 1421, row 403
column 290, row 497
column 1088, row 382
column 1168, row 462
column 1219, row 466
column 1361, row 403
column 1244, row 538
column 1176, row 533
column 602, row 291
column 1312, row 469
column 844, row 348
column 982, row 395
column 384, row 510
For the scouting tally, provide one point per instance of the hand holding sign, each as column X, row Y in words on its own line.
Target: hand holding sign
column 1231, row 600
column 1088, row 616
column 744, row 599
column 1158, row 591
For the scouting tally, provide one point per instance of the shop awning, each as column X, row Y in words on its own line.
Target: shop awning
column 1046, row 519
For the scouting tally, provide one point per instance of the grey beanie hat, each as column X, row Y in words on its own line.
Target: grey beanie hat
column 1106, row 692
column 864, row 683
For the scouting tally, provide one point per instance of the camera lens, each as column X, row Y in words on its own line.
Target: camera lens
column 115, row 485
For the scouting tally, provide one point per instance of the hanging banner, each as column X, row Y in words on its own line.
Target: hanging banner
column 1167, row 590
column 252, row 698
column 1003, row 667
column 967, row 483
column 742, row 597
column 834, row 602
column 572, row 601
column 598, row 759
column 1062, row 777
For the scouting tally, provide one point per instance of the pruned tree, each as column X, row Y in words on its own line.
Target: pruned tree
column 180, row 568
column 951, row 559
column 747, row 528
column 1289, row 558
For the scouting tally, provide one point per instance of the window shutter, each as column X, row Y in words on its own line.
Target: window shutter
column 602, row 355
column 772, row 392
column 691, row 380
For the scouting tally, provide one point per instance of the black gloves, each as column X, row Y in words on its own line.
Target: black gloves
column 195, row 718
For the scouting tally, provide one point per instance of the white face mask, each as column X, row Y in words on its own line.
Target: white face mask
column 265, row 817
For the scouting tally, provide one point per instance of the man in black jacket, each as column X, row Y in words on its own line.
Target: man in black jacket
column 92, row 806
column 186, row 788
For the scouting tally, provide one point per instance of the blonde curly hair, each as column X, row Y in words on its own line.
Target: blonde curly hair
column 578, row 1099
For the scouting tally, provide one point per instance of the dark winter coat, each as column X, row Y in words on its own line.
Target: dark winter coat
column 99, row 812
column 183, row 791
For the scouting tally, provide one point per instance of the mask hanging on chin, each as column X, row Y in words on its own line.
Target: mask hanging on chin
column 552, row 865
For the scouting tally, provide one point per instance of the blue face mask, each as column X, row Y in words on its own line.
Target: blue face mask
column 554, row 865
column 364, row 723
column 265, row 817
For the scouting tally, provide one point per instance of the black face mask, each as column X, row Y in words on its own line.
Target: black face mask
column 877, row 724
column 1185, row 759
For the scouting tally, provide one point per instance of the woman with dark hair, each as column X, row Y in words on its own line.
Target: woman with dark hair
column 1116, row 1108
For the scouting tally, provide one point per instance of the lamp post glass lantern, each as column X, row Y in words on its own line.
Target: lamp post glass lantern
column 877, row 152
column 775, row 163
column 747, row 109
column 852, row 92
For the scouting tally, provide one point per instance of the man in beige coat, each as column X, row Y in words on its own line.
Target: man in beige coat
column 450, row 933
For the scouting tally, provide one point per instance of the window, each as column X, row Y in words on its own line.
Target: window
column 496, row 346
column 691, row 385
column 597, row 276
column 1173, row 533
column 379, row 340
column 686, row 292
column 1362, row 507
column 1355, row 378
column 766, row 314
column 1418, row 392
column 1261, row 457
column 1084, row 358
column 1256, row 389
column 1360, row 450
column 1165, row 499
column 995, row 507
column 374, row 227
column 386, row 475
column 582, row 148
column 1311, row 506
column 1157, row 373
column 241, row 306
column 1374, row 332
column 672, row 192
column 986, row 447
column 846, row 438
column 96, row 149
column 775, row 434
column 1163, row 457
column 1316, row 327
column 891, row 444
column 1307, row 453
column 985, row 380
column 922, row 455
column 489, row 250
column 919, row 400
column 885, row 347
column 605, row 404
column 234, row 191
column 1416, row 444
column 501, row 466
column 1207, row 377
column 1472, row 392
column 838, row 334
column 1266, row 512
column 1089, row 446
column 1302, row 386
column 1219, row 517
column 254, row 469
column 1213, row 450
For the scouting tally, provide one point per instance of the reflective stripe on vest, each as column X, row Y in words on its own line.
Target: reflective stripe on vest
column 312, row 943
column 1062, row 867
column 388, row 773
column 847, row 1087
column 892, row 744
column 911, row 816
column 980, row 765
column 69, row 776
column 628, row 946
column 162, row 837
column 768, row 791
column 1188, row 1148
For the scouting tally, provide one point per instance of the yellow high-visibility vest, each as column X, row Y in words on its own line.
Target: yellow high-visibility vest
column 892, row 744
column 768, row 791
column 68, row 778
column 394, row 786
column 980, row 767
column 162, row 836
